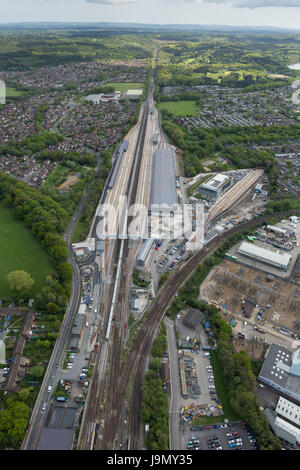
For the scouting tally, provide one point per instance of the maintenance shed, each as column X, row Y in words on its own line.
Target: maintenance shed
column 144, row 252
column 163, row 185
column 264, row 255
column 193, row 318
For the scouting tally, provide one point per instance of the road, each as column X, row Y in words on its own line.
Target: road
column 138, row 356
column 37, row 419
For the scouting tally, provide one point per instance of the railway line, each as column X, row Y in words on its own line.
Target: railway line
column 133, row 173
column 137, row 358
column 118, row 295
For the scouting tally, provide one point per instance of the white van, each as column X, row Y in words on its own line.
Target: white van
column 49, row 389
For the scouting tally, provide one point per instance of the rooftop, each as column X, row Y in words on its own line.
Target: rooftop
column 216, row 181
column 266, row 255
column 193, row 318
column 163, row 187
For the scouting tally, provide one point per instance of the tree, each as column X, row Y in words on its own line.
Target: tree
column 20, row 280
column 36, row 371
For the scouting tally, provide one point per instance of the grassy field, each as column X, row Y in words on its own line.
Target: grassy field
column 180, row 108
column 124, row 87
column 12, row 92
column 20, row 250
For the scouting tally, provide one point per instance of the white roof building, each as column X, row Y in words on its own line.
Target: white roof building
column 273, row 228
column 134, row 93
column 144, row 252
column 288, row 427
column 215, row 186
column 289, row 410
column 264, row 255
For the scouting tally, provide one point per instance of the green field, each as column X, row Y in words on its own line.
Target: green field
column 123, row 87
column 12, row 92
column 180, row 108
column 20, row 250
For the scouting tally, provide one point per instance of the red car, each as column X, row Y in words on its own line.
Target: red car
column 208, row 427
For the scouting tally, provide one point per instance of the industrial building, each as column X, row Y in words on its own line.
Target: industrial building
column 273, row 228
column 285, row 421
column 288, row 410
column 281, row 371
column 163, row 184
column 215, row 186
column 264, row 255
column 144, row 253
column 193, row 318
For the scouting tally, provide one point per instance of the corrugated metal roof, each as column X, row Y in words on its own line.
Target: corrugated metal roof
column 163, row 188
column 144, row 251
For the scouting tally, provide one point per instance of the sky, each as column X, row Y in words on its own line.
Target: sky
column 278, row 13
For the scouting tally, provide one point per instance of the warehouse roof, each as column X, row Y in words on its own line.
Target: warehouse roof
column 264, row 255
column 193, row 318
column 288, row 427
column 277, row 365
column 145, row 250
column 289, row 410
column 278, row 429
column 163, row 187
column 273, row 228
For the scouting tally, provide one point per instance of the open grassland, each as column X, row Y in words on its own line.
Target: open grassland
column 180, row 108
column 12, row 92
column 20, row 250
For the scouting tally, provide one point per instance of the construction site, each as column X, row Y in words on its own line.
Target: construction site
column 237, row 289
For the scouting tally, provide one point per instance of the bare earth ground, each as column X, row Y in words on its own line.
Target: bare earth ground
column 230, row 283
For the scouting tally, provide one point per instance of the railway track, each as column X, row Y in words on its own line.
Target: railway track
column 127, row 266
column 137, row 358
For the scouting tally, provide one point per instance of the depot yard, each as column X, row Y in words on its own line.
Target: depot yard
column 20, row 250
column 231, row 282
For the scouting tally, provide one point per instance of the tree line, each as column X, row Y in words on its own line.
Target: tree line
column 236, row 368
